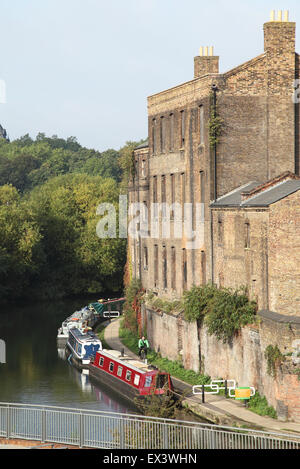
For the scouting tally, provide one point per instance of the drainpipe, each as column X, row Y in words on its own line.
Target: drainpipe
column 214, row 90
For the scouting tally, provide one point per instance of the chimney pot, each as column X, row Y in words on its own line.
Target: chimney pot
column 280, row 15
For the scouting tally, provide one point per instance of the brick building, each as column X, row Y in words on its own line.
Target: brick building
column 259, row 141
column 246, row 181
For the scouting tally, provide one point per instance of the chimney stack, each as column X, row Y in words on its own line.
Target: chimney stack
column 206, row 62
column 279, row 34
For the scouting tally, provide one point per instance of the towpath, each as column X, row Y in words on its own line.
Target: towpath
column 217, row 409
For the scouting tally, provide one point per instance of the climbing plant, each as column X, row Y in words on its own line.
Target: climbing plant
column 274, row 359
column 224, row 311
column 215, row 124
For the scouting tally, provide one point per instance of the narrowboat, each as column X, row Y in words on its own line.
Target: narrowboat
column 129, row 377
column 82, row 347
column 88, row 317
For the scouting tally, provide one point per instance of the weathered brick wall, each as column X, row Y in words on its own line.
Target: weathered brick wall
column 235, row 264
column 242, row 360
column 284, row 255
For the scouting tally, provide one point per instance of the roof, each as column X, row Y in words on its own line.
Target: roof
column 143, row 145
column 234, row 198
column 273, row 194
column 262, row 198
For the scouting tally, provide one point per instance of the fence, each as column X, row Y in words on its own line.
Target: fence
column 96, row 429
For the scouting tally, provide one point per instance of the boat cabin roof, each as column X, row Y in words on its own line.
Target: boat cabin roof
column 87, row 337
column 125, row 360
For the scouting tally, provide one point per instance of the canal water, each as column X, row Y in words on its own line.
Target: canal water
column 36, row 372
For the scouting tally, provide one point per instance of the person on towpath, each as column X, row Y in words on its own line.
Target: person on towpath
column 143, row 346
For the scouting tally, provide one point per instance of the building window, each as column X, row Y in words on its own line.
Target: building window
column 172, row 195
column 111, row 366
column 163, row 189
column 173, row 268
column 203, row 267
column 143, row 169
column 162, row 134
column 155, row 265
column 184, row 270
column 171, row 136
column 164, row 268
column 220, row 231
column 202, row 188
column 154, row 189
column 153, row 136
column 182, row 128
column 247, row 235
column 201, row 124
column 145, row 258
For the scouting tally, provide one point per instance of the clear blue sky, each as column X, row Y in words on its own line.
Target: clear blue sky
column 84, row 68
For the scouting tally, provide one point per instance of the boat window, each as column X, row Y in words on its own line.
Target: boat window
column 119, row 372
column 136, row 380
column 101, row 361
column 128, row 375
column 148, row 381
column 111, row 367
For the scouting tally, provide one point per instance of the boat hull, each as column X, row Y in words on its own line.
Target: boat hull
column 78, row 363
column 120, row 387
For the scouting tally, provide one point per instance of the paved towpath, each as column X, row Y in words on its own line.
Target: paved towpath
column 216, row 408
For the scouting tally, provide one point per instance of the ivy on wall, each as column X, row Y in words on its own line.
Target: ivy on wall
column 223, row 311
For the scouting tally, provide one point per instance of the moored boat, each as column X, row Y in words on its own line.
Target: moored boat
column 89, row 317
column 130, row 377
column 82, row 347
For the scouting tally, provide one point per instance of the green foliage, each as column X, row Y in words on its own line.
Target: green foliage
column 160, row 304
column 50, row 189
column 215, row 125
column 224, row 311
column 260, row 406
column 274, row 359
column 133, row 294
column 165, row 406
column 26, row 163
column 126, row 162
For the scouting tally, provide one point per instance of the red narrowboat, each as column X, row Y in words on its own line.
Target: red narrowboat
column 128, row 376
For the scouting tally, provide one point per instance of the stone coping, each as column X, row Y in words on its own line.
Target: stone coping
column 276, row 317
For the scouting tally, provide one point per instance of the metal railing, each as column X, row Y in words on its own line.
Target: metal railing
column 96, row 429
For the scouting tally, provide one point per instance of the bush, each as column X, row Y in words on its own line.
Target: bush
column 224, row 311
column 259, row 405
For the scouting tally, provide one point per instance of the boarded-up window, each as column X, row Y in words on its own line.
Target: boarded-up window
column 164, row 267
column 182, row 128
column 171, row 135
column 173, row 268
column 184, row 269
column 201, row 124
column 155, row 265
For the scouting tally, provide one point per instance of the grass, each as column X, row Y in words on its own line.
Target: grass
column 259, row 405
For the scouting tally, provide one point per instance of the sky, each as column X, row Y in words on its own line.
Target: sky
column 84, row 68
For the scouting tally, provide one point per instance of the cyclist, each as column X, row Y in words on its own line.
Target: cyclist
column 143, row 346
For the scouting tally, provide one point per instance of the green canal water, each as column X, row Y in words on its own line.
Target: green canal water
column 36, row 372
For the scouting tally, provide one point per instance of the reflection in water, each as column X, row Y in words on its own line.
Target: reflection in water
column 36, row 372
